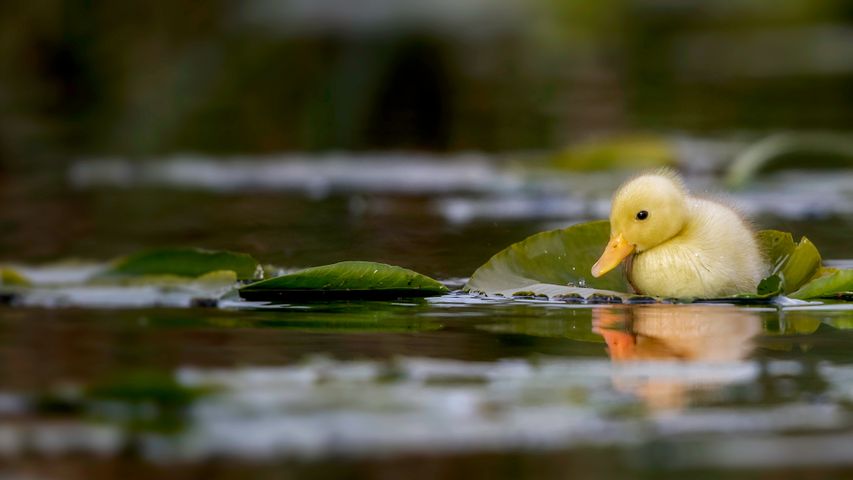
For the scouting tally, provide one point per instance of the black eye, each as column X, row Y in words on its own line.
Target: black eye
column 642, row 215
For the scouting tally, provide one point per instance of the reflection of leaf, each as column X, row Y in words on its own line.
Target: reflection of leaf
column 552, row 263
column 184, row 262
column 843, row 323
column 151, row 400
column 578, row 329
column 840, row 281
column 795, row 324
column 354, row 280
column 145, row 387
column 342, row 323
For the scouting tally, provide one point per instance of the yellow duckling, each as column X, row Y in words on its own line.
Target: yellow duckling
column 682, row 246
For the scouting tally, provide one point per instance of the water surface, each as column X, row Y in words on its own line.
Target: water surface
column 134, row 382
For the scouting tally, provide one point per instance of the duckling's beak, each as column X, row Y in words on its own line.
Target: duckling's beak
column 614, row 253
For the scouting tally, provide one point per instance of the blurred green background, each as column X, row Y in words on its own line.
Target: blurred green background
column 147, row 78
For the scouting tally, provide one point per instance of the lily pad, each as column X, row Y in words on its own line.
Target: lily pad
column 834, row 284
column 10, row 277
column 184, row 262
column 800, row 267
column 553, row 263
column 348, row 280
column 634, row 152
column 777, row 248
column 794, row 264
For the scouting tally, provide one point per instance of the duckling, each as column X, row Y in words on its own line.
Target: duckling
column 680, row 245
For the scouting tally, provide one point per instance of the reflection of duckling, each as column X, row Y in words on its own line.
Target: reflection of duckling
column 683, row 246
column 683, row 333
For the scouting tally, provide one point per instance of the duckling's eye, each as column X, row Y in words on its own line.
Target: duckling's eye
column 642, row 215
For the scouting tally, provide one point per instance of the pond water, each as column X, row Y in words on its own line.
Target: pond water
column 129, row 382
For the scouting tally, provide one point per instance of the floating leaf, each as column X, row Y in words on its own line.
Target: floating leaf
column 836, row 150
column 801, row 267
column 793, row 264
column 353, row 279
column 777, row 247
column 838, row 282
column 553, row 263
column 771, row 285
column 10, row 277
column 635, row 152
column 184, row 262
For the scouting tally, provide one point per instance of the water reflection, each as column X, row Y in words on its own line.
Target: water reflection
column 715, row 336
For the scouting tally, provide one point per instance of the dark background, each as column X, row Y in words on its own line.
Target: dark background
column 146, row 78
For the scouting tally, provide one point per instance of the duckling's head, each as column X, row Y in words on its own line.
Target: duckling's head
column 646, row 212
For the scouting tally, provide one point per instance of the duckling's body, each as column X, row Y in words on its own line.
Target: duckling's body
column 682, row 246
column 714, row 255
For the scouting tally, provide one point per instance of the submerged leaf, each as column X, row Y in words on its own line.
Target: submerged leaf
column 353, row 279
column 184, row 262
column 553, row 263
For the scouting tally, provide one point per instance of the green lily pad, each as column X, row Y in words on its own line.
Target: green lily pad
column 183, row 262
column 10, row 277
column 831, row 285
column 634, row 152
column 791, row 265
column 800, row 267
column 349, row 280
column 777, row 248
column 553, row 263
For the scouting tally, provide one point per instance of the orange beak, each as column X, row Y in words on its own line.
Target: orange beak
column 614, row 253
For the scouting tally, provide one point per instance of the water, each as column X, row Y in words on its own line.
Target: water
column 461, row 380
column 98, row 382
